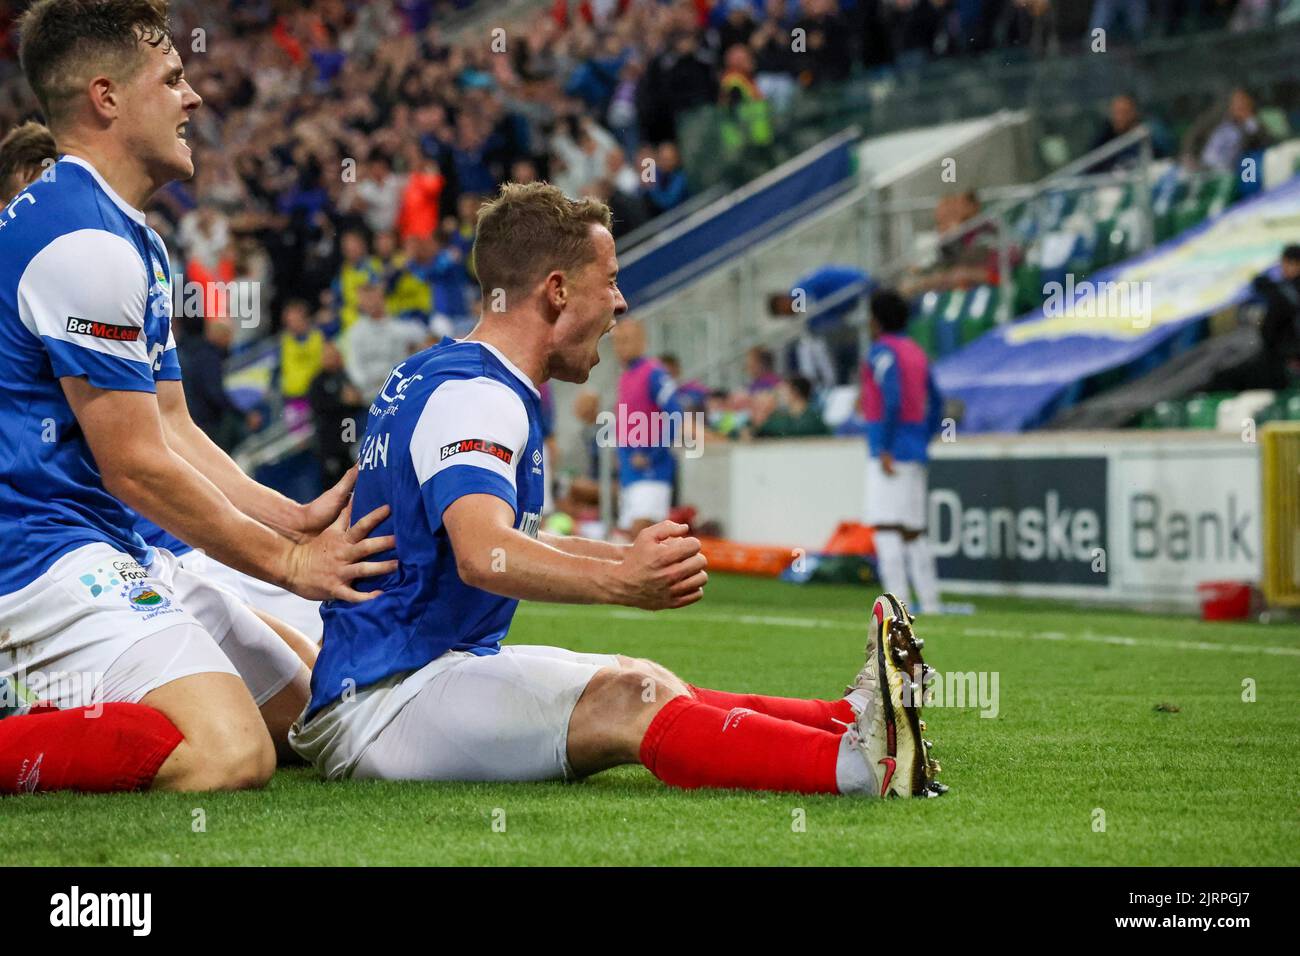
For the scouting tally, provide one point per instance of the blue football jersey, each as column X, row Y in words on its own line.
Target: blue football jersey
column 456, row 419
column 85, row 291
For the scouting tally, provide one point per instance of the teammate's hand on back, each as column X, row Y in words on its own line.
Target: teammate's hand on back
column 324, row 566
column 663, row 568
column 319, row 514
column 887, row 463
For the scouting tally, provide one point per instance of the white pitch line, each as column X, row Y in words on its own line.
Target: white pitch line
column 1087, row 637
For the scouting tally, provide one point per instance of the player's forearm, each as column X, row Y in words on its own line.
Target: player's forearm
column 175, row 496
column 262, row 504
column 514, row 565
column 585, row 547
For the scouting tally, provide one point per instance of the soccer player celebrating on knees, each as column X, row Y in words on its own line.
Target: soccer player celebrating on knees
column 96, row 431
column 416, row 685
column 123, row 746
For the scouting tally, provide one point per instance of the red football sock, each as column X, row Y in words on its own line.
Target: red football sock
column 99, row 750
column 831, row 715
column 693, row 744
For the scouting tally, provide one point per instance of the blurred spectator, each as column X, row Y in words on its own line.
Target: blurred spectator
column 376, row 342
column 1277, row 363
column 967, row 256
column 338, row 412
column 826, row 32
column 692, row 394
column 1220, row 139
column 409, row 295
column 27, row 150
column 581, row 149
column 300, row 358
column 204, row 236
column 677, row 79
column 356, row 272
column 747, row 119
column 669, row 186
column 203, row 354
column 827, row 351
column 775, row 63
column 622, row 117
column 417, row 213
column 439, row 268
column 377, row 197
column 620, row 189
column 1109, row 15
column 794, row 413
column 586, row 408
column 1280, row 328
column 1124, row 116
column 760, row 367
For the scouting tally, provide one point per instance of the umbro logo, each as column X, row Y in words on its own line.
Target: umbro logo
column 734, row 717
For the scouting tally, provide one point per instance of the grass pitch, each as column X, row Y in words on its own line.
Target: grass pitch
column 1119, row 739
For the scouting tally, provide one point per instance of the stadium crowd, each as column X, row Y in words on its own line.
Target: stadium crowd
column 344, row 147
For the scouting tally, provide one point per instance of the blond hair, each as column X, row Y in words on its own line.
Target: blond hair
column 530, row 230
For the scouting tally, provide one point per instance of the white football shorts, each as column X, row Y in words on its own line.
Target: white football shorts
column 501, row 717
column 98, row 627
column 644, row 501
column 897, row 499
column 295, row 611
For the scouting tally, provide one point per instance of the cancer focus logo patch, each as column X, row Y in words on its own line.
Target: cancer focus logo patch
column 99, row 581
column 145, row 598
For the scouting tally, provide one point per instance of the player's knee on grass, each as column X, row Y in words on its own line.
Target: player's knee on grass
column 243, row 762
column 226, row 745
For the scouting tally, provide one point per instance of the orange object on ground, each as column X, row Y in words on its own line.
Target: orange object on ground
column 850, row 537
column 763, row 560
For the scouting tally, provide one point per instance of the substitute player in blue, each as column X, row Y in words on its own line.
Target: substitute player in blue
column 904, row 410
column 416, row 684
column 649, row 420
column 93, row 423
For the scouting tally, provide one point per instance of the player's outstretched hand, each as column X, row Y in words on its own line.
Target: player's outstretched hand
column 319, row 514
column 663, row 568
column 325, row 566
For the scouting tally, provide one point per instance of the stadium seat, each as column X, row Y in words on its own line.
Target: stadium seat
column 980, row 313
column 1201, row 411
column 1165, row 414
column 1028, row 281
column 922, row 326
column 947, row 329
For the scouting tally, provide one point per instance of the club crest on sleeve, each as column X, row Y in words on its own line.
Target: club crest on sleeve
column 477, row 444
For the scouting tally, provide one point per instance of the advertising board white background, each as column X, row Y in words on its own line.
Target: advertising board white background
column 1181, row 507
